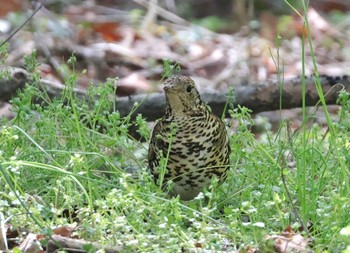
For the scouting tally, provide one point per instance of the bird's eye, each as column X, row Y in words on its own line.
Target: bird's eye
column 189, row 88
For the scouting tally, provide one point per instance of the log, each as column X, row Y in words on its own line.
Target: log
column 12, row 79
column 257, row 97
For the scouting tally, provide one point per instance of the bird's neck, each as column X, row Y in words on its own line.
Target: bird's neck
column 199, row 110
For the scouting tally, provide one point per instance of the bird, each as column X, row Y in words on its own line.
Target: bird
column 191, row 140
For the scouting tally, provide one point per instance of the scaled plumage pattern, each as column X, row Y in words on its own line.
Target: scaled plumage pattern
column 192, row 139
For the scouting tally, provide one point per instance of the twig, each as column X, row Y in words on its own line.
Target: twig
column 165, row 14
column 151, row 15
column 24, row 23
column 79, row 244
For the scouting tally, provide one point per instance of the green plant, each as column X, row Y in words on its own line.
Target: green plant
column 70, row 159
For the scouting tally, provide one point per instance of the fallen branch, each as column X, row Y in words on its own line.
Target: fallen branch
column 72, row 245
column 12, row 79
column 257, row 97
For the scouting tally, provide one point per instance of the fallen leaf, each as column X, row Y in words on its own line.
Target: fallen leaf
column 289, row 241
column 30, row 244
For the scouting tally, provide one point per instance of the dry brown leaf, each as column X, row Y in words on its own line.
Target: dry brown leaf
column 109, row 31
column 249, row 249
column 289, row 241
column 10, row 6
column 31, row 244
column 65, row 231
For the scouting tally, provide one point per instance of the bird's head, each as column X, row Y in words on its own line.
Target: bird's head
column 182, row 95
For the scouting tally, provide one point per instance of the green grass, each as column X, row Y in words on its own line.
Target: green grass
column 68, row 160
column 74, row 157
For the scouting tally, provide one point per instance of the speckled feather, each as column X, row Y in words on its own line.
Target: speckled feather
column 198, row 141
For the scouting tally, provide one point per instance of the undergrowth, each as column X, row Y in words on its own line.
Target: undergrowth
column 72, row 161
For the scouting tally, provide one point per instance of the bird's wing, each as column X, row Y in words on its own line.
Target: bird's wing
column 223, row 138
column 152, row 156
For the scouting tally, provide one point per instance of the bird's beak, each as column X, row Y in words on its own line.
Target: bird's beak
column 168, row 88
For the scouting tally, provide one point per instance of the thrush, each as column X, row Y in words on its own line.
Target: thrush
column 191, row 140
